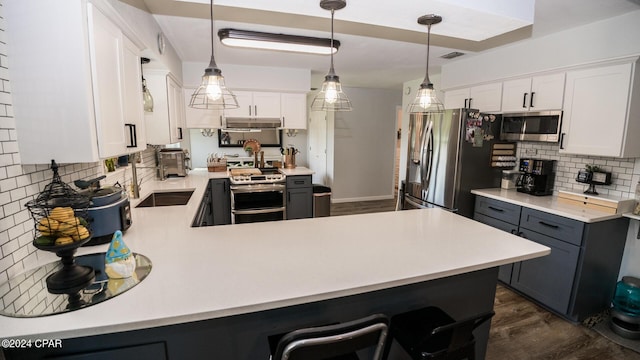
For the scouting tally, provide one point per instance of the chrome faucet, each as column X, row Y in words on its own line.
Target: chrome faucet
column 161, row 174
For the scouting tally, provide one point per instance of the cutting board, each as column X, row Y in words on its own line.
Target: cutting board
column 246, row 171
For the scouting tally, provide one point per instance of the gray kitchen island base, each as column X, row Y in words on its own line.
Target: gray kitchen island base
column 245, row 336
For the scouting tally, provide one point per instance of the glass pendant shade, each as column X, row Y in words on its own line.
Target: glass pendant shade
column 426, row 100
column 147, row 99
column 212, row 92
column 331, row 97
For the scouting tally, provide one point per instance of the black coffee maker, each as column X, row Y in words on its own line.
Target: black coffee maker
column 536, row 176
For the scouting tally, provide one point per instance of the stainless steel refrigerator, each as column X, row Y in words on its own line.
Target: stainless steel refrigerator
column 449, row 154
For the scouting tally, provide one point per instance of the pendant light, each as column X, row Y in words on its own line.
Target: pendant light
column 331, row 97
column 426, row 100
column 212, row 92
column 147, row 99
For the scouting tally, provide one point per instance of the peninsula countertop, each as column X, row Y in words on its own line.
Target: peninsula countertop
column 210, row 272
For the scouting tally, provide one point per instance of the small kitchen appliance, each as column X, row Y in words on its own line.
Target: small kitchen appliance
column 109, row 209
column 532, row 126
column 537, row 177
column 173, row 162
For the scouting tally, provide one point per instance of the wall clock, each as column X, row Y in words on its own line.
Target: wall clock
column 161, row 43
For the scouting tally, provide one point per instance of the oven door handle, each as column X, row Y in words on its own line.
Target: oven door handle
column 253, row 189
column 258, row 211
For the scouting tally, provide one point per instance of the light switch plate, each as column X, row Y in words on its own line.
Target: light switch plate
column 529, row 152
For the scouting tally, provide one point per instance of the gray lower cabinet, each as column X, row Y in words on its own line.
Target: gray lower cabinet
column 578, row 278
column 503, row 216
column 299, row 197
column 220, row 201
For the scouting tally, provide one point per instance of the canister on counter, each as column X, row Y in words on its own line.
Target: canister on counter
column 509, row 178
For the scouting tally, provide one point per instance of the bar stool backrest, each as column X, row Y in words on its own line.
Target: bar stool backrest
column 339, row 341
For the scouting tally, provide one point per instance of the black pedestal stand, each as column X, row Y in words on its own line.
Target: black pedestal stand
column 72, row 277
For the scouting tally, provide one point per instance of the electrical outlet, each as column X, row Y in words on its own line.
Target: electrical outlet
column 530, row 152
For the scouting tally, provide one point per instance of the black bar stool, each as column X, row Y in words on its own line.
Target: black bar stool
column 430, row 333
column 335, row 342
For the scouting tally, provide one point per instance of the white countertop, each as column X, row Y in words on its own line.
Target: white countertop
column 209, row 272
column 549, row 204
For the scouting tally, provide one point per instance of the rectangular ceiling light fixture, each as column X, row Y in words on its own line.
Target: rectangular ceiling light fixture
column 279, row 42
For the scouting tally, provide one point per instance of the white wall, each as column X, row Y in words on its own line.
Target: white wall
column 202, row 146
column 364, row 146
column 615, row 37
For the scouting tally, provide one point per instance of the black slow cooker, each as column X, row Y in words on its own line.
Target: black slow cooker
column 109, row 209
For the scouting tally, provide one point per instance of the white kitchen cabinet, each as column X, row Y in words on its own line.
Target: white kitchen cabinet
column 166, row 124
column 486, row 98
column 536, row 93
column 176, row 109
column 293, row 108
column 135, row 132
column 86, row 102
column 601, row 111
column 255, row 104
column 200, row 118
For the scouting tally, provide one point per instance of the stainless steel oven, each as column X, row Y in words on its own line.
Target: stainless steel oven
column 257, row 198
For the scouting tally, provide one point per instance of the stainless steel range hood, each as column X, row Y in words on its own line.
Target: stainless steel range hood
column 253, row 123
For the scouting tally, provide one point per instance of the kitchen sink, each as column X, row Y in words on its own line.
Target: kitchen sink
column 166, row 198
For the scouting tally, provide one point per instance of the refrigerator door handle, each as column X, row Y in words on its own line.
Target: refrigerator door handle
column 427, row 159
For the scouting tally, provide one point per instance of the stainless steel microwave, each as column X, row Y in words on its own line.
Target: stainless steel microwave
column 531, row 126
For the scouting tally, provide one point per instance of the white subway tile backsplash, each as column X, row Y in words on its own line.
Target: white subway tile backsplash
column 625, row 173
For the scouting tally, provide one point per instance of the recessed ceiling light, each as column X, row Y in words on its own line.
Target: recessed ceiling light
column 278, row 42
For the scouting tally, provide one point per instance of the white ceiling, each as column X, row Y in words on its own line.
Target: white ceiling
column 384, row 52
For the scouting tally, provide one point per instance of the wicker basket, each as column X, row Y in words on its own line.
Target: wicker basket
column 217, row 165
column 217, row 168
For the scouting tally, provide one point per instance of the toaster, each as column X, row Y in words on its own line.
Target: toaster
column 173, row 162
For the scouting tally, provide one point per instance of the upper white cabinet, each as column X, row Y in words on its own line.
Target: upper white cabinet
column 601, row 111
column 533, row 94
column 166, row 124
column 86, row 102
column 200, row 118
column 293, row 110
column 486, row 98
column 255, row 104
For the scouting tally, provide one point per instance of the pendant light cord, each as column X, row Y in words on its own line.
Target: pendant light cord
column 212, row 63
column 331, row 71
column 426, row 77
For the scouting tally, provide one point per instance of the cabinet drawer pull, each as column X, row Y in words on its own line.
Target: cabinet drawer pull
column 548, row 225
column 531, row 100
column 524, row 100
column 495, row 209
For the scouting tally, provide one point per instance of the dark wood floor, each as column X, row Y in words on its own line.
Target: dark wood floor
column 521, row 329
